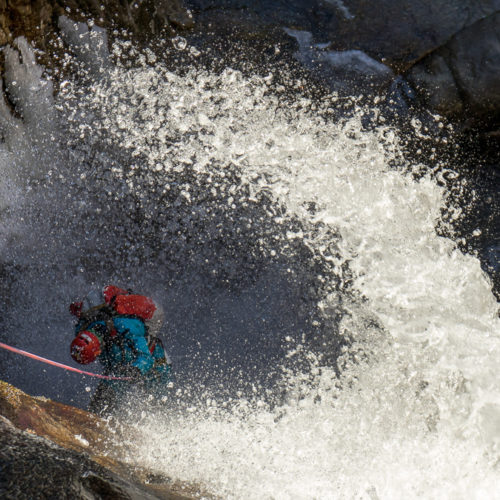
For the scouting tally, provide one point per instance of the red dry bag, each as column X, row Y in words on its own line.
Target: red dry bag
column 134, row 305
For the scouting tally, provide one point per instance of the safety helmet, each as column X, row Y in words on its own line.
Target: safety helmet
column 85, row 347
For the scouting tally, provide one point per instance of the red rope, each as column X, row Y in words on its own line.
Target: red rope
column 59, row 365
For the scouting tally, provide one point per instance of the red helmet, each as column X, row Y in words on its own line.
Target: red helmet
column 85, row 347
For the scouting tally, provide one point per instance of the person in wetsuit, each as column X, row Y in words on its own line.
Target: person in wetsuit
column 120, row 329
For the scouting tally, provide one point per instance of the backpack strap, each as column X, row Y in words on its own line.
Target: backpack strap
column 164, row 360
column 105, row 313
column 102, row 312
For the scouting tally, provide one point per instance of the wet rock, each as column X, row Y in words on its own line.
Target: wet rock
column 433, row 79
column 34, row 467
column 396, row 32
column 66, row 426
column 449, row 50
column 37, row 19
column 343, row 70
column 401, row 32
column 406, row 32
column 463, row 77
column 19, row 17
column 147, row 17
column 51, row 450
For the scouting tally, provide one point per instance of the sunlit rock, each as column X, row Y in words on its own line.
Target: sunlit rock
column 56, row 451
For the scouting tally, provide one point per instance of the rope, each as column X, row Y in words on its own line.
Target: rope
column 59, row 365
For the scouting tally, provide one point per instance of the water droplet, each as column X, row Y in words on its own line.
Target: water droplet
column 179, row 42
column 194, row 51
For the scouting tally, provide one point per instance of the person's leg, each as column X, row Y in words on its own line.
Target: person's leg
column 104, row 401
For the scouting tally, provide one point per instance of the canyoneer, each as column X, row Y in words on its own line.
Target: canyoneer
column 120, row 329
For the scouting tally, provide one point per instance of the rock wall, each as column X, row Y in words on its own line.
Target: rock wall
column 37, row 19
column 462, row 78
column 51, row 450
column 449, row 52
column 32, row 467
column 396, row 32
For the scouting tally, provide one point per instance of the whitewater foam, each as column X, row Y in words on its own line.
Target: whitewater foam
column 229, row 179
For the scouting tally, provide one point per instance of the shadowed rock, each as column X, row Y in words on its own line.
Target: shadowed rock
column 51, row 450
column 448, row 50
column 463, row 77
column 37, row 19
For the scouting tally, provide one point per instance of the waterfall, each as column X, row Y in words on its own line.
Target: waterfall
column 328, row 341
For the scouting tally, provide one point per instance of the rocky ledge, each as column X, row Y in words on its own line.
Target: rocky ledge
column 51, row 450
column 444, row 55
column 440, row 54
column 37, row 19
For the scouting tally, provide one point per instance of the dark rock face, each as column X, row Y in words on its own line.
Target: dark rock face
column 463, row 77
column 57, row 422
column 32, row 467
column 37, row 19
column 395, row 32
column 51, row 450
column 141, row 17
column 400, row 32
column 449, row 51
column 24, row 17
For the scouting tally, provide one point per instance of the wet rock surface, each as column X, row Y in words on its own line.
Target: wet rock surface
column 51, row 450
column 396, row 32
column 462, row 78
column 448, row 51
column 37, row 19
column 33, row 467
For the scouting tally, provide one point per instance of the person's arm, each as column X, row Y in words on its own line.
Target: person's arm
column 135, row 333
column 144, row 360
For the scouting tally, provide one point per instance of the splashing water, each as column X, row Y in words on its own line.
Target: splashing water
column 297, row 256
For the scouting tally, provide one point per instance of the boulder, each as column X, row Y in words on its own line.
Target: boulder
column 462, row 78
column 33, row 467
column 343, row 70
column 448, row 51
column 401, row 32
column 37, row 19
column 52, row 450
column 20, row 17
column 395, row 32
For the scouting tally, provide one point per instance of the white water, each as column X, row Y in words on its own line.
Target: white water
column 422, row 417
column 416, row 410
